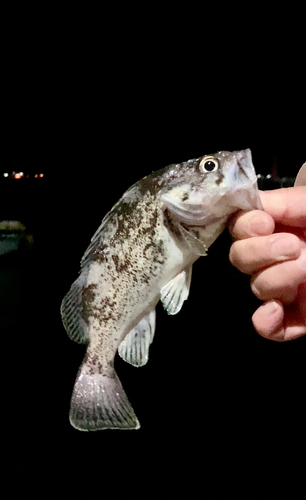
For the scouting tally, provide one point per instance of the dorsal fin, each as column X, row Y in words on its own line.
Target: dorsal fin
column 72, row 304
column 105, row 232
column 134, row 348
column 72, row 312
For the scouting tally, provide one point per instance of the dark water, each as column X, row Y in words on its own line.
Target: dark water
column 222, row 411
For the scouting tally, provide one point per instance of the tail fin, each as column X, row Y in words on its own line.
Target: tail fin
column 99, row 402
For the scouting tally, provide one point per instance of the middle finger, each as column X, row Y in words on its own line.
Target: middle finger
column 253, row 254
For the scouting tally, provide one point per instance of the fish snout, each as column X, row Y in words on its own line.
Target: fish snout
column 242, row 178
column 243, row 170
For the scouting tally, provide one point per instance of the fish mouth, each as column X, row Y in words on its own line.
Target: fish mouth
column 190, row 227
column 245, row 169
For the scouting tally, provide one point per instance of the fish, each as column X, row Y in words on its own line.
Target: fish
column 143, row 252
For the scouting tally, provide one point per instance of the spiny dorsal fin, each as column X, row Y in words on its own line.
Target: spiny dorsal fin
column 134, row 348
column 174, row 293
column 193, row 241
column 105, row 232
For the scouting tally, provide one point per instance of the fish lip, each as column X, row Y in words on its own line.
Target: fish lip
column 245, row 164
column 243, row 169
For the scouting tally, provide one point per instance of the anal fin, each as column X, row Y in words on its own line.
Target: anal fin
column 134, row 348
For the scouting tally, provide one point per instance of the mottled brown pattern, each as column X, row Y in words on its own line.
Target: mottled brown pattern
column 135, row 256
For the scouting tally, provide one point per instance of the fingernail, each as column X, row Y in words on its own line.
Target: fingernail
column 285, row 246
column 269, row 308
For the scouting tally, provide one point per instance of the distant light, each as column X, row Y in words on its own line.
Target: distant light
column 268, row 176
column 5, row 174
column 18, row 175
column 41, row 175
column 258, row 176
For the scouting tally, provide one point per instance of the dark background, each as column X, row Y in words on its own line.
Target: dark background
column 222, row 410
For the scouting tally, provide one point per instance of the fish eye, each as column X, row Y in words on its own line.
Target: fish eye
column 209, row 164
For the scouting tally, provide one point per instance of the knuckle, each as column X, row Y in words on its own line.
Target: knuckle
column 274, row 283
column 237, row 256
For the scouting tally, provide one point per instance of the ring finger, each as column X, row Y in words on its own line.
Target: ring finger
column 280, row 281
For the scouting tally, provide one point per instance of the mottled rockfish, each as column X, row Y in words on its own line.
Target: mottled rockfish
column 143, row 252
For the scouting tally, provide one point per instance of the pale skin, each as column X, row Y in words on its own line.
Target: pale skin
column 270, row 246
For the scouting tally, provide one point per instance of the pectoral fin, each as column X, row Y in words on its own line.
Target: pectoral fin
column 194, row 243
column 134, row 348
column 174, row 293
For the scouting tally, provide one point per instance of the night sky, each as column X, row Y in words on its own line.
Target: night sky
column 124, row 117
column 143, row 133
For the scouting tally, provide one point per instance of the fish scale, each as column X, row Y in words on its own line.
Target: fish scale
column 143, row 252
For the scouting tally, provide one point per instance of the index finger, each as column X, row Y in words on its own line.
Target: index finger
column 247, row 224
column 287, row 205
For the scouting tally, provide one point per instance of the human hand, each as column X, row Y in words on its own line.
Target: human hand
column 270, row 245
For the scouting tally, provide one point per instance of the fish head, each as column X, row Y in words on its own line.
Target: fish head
column 212, row 188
